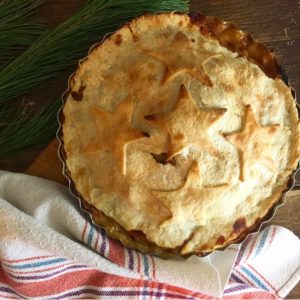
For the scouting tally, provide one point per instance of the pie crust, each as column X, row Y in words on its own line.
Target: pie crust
column 178, row 134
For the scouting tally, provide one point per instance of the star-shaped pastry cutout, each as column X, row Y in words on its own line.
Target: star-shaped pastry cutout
column 186, row 60
column 187, row 125
column 254, row 142
column 114, row 132
column 191, row 199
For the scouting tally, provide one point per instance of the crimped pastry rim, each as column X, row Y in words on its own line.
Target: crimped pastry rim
column 161, row 252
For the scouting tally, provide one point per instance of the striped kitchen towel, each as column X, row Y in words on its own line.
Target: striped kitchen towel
column 48, row 249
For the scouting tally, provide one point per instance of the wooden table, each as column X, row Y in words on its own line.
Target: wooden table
column 275, row 22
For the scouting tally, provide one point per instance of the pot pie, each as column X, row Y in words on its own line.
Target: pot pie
column 178, row 134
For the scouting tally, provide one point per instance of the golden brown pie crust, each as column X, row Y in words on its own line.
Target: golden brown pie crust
column 251, row 141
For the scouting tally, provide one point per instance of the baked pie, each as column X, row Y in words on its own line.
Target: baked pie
column 179, row 134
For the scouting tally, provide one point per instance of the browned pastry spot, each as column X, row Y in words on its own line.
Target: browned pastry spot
column 239, row 225
column 221, row 240
column 145, row 134
column 118, row 39
column 77, row 96
column 179, row 136
column 150, row 117
column 180, row 23
column 133, row 75
column 162, row 158
column 204, row 247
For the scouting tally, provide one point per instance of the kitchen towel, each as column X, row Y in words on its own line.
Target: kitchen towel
column 49, row 249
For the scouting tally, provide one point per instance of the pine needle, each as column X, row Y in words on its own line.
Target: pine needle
column 14, row 10
column 64, row 45
column 17, row 33
column 17, row 37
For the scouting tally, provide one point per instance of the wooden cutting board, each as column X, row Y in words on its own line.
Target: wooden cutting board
column 47, row 165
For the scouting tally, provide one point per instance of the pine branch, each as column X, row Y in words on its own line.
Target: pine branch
column 63, row 46
column 14, row 10
column 17, row 37
column 17, row 33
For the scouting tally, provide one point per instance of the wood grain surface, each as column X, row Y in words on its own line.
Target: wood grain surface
column 274, row 22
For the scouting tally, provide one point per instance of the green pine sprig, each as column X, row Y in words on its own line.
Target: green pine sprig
column 14, row 10
column 16, row 31
column 17, row 37
column 64, row 45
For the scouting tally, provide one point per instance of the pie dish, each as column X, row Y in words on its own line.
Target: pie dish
column 178, row 134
